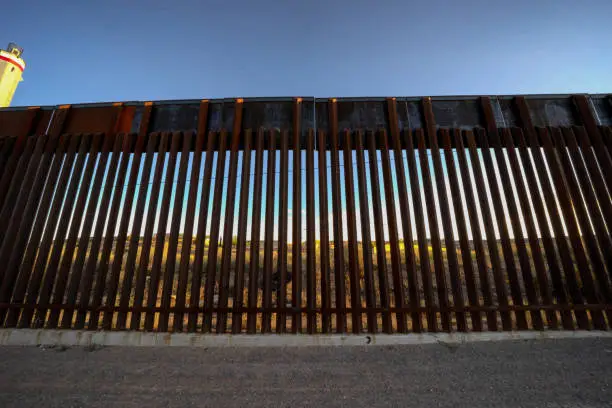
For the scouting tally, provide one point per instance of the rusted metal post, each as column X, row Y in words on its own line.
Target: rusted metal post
column 213, row 246
column 268, row 267
column 242, row 233
column 281, row 289
column 255, row 234
column 337, row 211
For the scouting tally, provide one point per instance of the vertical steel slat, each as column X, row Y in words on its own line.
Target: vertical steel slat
column 198, row 260
column 102, row 211
column 485, row 284
column 15, row 276
column 73, row 234
column 243, row 211
column 7, row 147
column 338, row 239
column 175, row 225
column 211, row 265
column 269, row 235
column 381, row 257
column 413, row 285
column 608, row 138
column 607, row 131
column 519, row 239
column 500, row 282
column 426, row 275
column 125, row 216
column 466, row 255
column 11, row 183
column 366, row 237
column 311, row 276
column 567, row 207
column 160, row 238
column 430, row 130
column 226, row 259
column 498, row 210
column 353, row 253
column 51, row 267
column 532, row 236
column 109, row 239
column 493, row 134
column 53, row 219
column 528, row 279
column 120, row 240
column 599, row 182
column 281, row 302
column 447, row 228
column 228, row 227
column 596, row 197
column 603, row 155
column 540, row 216
column 130, row 263
column 296, row 218
column 434, row 230
column 52, row 222
column 20, row 189
column 181, row 290
column 491, row 129
column 324, row 234
column 255, row 233
column 581, row 208
column 56, row 124
column 13, row 176
column 31, row 185
column 18, row 157
column 396, row 263
column 541, row 173
column 147, row 240
column 86, row 216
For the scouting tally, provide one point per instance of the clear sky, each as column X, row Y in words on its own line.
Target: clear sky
column 85, row 51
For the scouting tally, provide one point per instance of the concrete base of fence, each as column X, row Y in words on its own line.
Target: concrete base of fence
column 27, row 337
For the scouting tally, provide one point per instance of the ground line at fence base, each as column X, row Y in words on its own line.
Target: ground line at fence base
column 92, row 340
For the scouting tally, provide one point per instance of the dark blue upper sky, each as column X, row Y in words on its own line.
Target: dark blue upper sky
column 77, row 51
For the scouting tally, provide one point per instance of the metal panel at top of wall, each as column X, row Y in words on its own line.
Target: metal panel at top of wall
column 183, row 117
column 353, row 114
column 321, row 114
column 137, row 118
column 462, row 114
column 503, row 110
column 308, row 119
column 409, row 114
column 267, row 115
column 12, row 122
column 552, row 112
column 602, row 106
column 361, row 114
column 221, row 115
column 89, row 119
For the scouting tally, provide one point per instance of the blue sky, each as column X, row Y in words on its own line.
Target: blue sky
column 82, row 51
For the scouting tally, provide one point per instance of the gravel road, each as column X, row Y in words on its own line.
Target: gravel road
column 543, row 373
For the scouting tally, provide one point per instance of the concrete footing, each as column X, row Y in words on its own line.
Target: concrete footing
column 28, row 337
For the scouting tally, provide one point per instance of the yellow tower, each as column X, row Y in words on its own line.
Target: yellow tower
column 11, row 69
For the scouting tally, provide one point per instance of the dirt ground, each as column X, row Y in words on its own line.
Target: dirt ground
column 544, row 373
